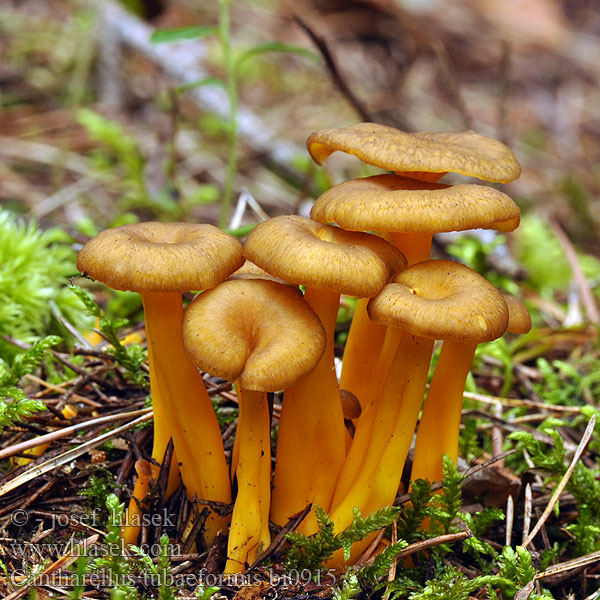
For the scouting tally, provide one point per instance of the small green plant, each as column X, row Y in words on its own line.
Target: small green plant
column 564, row 384
column 381, row 564
column 122, row 154
column 120, row 567
column 99, row 486
column 515, row 573
column 34, row 267
column 503, row 573
column 349, row 588
column 311, row 552
column 516, row 568
column 14, row 403
column 165, row 590
column 113, row 564
column 130, row 357
column 583, row 484
column 233, row 62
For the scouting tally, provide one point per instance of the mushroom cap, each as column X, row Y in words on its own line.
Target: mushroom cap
column 403, row 205
column 465, row 152
column 443, row 300
column 321, row 256
column 519, row 319
column 251, row 271
column 259, row 332
column 161, row 257
column 350, row 404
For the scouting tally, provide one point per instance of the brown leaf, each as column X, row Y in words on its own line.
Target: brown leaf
column 253, row 592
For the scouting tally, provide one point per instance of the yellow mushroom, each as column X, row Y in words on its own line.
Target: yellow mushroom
column 328, row 261
column 464, row 152
column 264, row 336
column 145, row 472
column 411, row 212
column 421, row 158
column 431, row 300
column 438, row 432
column 160, row 261
column 440, row 422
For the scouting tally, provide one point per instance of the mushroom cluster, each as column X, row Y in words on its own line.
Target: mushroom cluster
column 161, row 261
column 254, row 326
column 430, row 300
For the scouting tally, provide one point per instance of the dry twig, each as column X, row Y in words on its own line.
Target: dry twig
column 61, row 459
column 585, row 440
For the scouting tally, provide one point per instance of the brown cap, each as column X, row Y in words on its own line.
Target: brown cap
column 465, row 152
column 350, row 404
column 403, row 205
column 443, row 300
column 260, row 332
column 251, row 271
column 519, row 320
column 321, row 256
column 161, row 257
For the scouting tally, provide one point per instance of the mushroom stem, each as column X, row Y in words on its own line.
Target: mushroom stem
column 361, row 442
column 378, row 360
column 440, row 422
column 363, row 346
column 132, row 521
column 378, row 479
column 310, row 444
column 416, row 247
column 185, row 411
column 250, row 520
column 427, row 176
column 365, row 338
column 163, row 425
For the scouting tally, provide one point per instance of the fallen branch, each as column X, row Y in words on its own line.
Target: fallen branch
column 181, row 62
column 435, row 541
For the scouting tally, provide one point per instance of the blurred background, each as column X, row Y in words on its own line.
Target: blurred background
column 111, row 112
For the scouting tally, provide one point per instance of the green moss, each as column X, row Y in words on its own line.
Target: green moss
column 34, row 267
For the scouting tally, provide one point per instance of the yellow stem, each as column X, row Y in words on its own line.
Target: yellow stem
column 378, row 480
column 376, row 357
column 310, row 445
column 364, row 429
column 365, row 338
column 132, row 521
column 416, row 247
column 363, row 346
column 163, row 425
column 250, row 520
column 179, row 391
column 440, row 423
column 421, row 175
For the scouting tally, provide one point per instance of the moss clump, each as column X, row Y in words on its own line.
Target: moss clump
column 34, row 267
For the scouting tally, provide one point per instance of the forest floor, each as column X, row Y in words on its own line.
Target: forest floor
column 101, row 127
